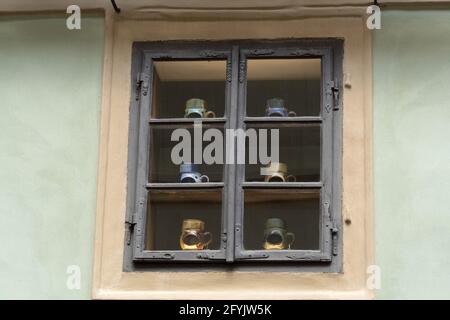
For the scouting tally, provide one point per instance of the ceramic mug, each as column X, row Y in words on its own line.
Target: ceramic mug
column 189, row 174
column 276, row 236
column 197, row 108
column 277, row 172
column 275, row 108
column 193, row 235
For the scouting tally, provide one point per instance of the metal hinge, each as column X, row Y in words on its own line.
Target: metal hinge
column 254, row 256
column 261, row 52
column 302, row 258
column 129, row 224
column 229, row 70
column 209, row 256
column 224, row 240
column 334, row 90
column 161, row 256
column 242, row 70
column 333, row 229
column 142, row 85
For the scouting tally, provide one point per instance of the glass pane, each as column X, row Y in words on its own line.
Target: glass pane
column 163, row 169
column 299, row 154
column 184, row 220
column 283, row 87
column 187, row 89
column 282, row 219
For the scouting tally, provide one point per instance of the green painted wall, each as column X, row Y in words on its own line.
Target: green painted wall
column 412, row 153
column 50, row 86
column 50, row 93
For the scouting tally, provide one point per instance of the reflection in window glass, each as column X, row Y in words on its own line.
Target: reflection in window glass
column 281, row 219
column 184, row 220
column 164, row 170
column 283, row 87
column 299, row 155
column 189, row 89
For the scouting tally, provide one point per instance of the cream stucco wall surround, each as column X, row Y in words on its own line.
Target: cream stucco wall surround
column 109, row 279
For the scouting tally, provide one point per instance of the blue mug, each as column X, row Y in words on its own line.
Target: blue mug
column 189, row 174
column 275, row 108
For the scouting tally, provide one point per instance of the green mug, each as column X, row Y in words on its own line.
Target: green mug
column 197, row 108
column 276, row 236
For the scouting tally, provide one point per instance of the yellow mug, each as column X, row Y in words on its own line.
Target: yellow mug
column 277, row 172
column 193, row 235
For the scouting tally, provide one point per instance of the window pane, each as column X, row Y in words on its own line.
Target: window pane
column 299, row 154
column 281, row 219
column 276, row 87
column 163, row 169
column 188, row 219
column 189, row 89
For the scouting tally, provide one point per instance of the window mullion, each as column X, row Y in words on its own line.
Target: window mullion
column 240, row 169
column 230, row 169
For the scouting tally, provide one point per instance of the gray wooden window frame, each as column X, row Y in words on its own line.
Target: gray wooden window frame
column 236, row 53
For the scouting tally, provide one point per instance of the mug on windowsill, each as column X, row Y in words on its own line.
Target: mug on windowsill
column 275, row 108
column 193, row 235
column 277, row 172
column 189, row 173
column 197, row 108
column 276, row 236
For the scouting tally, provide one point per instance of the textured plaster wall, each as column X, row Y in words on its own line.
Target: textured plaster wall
column 50, row 86
column 50, row 93
column 412, row 153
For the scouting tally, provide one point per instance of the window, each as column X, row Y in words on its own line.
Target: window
column 226, row 213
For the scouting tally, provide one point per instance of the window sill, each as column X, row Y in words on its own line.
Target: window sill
column 223, row 286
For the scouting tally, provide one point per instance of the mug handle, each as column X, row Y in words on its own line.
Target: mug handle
column 292, row 114
column 206, row 238
column 204, row 178
column 183, row 178
column 270, row 178
column 210, row 114
column 291, row 178
column 290, row 236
